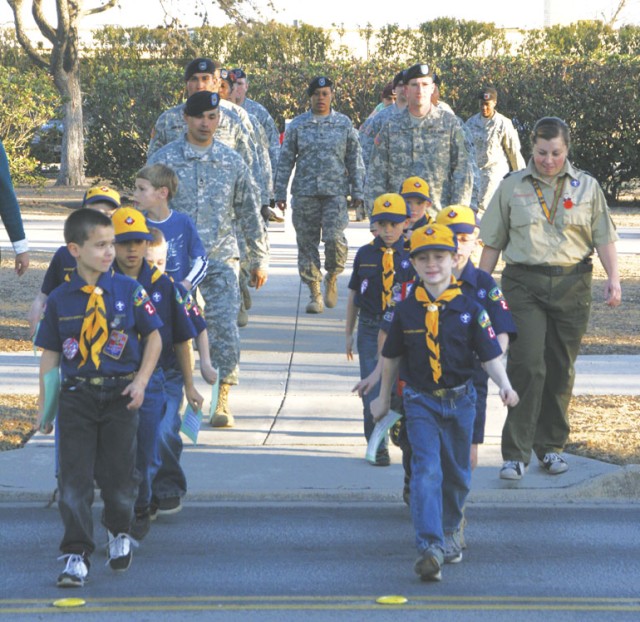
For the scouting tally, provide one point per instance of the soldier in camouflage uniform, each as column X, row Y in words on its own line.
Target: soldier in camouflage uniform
column 496, row 143
column 324, row 147
column 227, row 88
column 216, row 190
column 422, row 141
column 261, row 113
column 234, row 129
column 373, row 125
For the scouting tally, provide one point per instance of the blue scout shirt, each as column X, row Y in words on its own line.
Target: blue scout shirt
column 130, row 316
column 63, row 263
column 176, row 324
column 195, row 314
column 366, row 278
column 481, row 287
column 184, row 246
column 464, row 328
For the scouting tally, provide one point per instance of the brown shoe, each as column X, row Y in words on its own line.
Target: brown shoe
column 331, row 290
column 315, row 303
column 222, row 418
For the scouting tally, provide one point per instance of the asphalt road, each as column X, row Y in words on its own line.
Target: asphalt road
column 327, row 562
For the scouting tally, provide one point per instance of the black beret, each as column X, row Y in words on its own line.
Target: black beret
column 420, row 70
column 200, row 65
column 488, row 94
column 437, row 80
column 317, row 83
column 228, row 75
column 399, row 78
column 239, row 73
column 200, row 102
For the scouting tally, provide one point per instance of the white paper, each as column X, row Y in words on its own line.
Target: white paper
column 379, row 432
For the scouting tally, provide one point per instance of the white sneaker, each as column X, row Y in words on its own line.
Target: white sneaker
column 75, row 572
column 452, row 548
column 512, row 469
column 553, row 463
column 119, row 553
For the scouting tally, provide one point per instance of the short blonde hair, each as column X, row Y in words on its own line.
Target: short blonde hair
column 158, row 238
column 160, row 176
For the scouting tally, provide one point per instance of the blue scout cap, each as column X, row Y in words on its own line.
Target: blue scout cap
column 433, row 237
column 391, row 207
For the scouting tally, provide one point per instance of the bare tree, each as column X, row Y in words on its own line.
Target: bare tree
column 63, row 63
column 611, row 21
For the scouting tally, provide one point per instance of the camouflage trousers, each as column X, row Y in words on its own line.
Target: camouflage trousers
column 320, row 218
column 222, row 302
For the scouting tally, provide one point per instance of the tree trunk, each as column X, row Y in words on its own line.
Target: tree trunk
column 72, row 156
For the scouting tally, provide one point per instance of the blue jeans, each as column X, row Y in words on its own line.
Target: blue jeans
column 440, row 435
column 367, row 343
column 148, row 456
column 170, row 480
column 96, row 434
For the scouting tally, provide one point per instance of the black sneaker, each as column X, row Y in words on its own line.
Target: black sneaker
column 75, row 571
column 406, row 494
column 140, row 525
column 153, row 509
column 382, row 457
column 170, row 505
column 119, row 551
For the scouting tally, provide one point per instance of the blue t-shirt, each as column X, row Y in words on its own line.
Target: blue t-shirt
column 130, row 317
column 184, row 246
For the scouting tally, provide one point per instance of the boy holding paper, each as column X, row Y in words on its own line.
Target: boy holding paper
column 432, row 341
column 132, row 240
column 101, row 329
column 379, row 268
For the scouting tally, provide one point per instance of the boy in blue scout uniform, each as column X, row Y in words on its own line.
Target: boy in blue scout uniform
column 170, row 483
column 378, row 268
column 132, row 241
column 431, row 343
column 101, row 329
column 62, row 264
column 415, row 192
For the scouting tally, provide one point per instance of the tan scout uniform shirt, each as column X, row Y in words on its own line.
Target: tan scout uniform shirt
column 515, row 223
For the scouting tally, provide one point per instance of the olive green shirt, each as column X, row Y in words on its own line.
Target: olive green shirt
column 515, row 222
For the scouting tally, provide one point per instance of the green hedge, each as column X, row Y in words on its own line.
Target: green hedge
column 130, row 76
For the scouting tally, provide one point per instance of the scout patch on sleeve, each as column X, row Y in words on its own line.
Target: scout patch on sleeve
column 483, row 319
column 140, row 296
column 495, row 294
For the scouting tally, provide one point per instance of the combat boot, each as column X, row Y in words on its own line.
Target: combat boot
column 331, row 290
column 222, row 418
column 315, row 303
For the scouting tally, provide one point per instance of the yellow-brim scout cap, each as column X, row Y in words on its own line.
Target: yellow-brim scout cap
column 459, row 218
column 433, row 237
column 391, row 207
column 130, row 224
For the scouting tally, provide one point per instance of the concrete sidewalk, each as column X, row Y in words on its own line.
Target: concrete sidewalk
column 298, row 434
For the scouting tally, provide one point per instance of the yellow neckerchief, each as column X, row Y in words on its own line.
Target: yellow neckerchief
column 155, row 274
column 388, row 272
column 431, row 321
column 94, row 332
column 549, row 214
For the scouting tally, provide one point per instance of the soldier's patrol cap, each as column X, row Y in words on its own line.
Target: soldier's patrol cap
column 228, row 75
column 200, row 65
column 130, row 224
column 200, row 102
column 433, row 237
column 391, row 207
column 415, row 188
column 101, row 194
column 420, row 70
column 398, row 78
column 459, row 218
column 488, row 94
column 317, row 83
column 239, row 73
